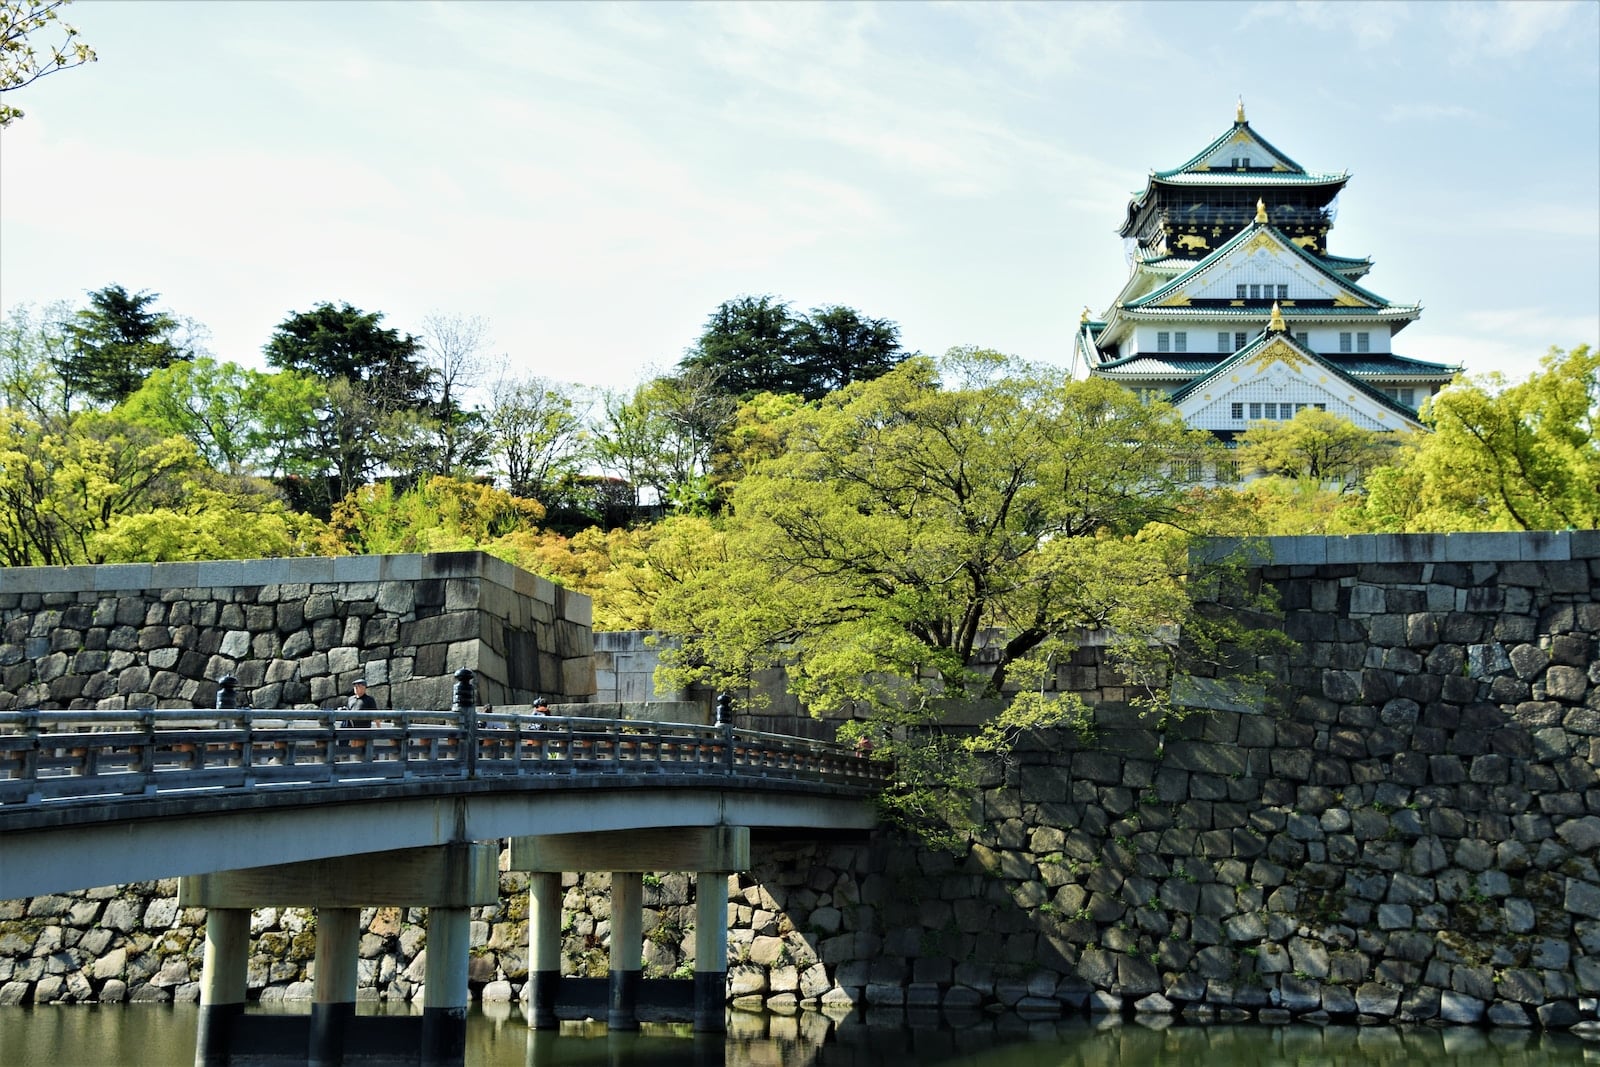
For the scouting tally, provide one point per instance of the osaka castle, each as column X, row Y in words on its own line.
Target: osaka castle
column 1236, row 311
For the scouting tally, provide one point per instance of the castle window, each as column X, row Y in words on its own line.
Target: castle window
column 1222, row 342
column 1227, row 471
column 1239, row 340
column 1239, row 292
column 1344, row 342
column 1272, row 411
column 1320, row 407
column 1163, row 341
column 1363, row 342
column 1180, row 341
column 1283, row 292
column 1304, row 339
column 1255, row 292
column 1236, row 411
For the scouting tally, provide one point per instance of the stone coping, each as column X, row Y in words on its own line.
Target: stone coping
column 1314, row 550
column 293, row 570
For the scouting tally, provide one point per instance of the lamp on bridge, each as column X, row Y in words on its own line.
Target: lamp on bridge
column 228, row 693
column 724, row 710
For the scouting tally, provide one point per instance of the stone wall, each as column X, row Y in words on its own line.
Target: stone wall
column 295, row 632
column 1409, row 831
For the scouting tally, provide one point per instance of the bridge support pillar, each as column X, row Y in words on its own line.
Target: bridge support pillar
column 627, row 948
column 334, row 997
column 222, row 984
column 544, row 949
column 710, row 952
column 444, row 993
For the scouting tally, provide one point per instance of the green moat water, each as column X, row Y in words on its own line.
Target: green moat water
column 150, row 1035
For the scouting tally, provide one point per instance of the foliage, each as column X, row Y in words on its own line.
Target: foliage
column 1501, row 456
column 34, row 344
column 239, row 420
column 118, row 341
column 21, row 64
column 1277, row 506
column 535, row 436
column 626, row 570
column 203, row 521
column 661, row 438
column 755, row 344
column 1316, row 446
column 98, row 488
column 439, row 515
column 377, row 402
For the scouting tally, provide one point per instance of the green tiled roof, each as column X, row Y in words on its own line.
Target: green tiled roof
column 1239, row 238
column 1333, row 367
column 1225, row 136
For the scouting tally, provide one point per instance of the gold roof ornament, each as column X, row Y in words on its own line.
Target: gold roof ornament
column 1276, row 324
column 1261, row 211
column 1238, row 115
column 1085, row 317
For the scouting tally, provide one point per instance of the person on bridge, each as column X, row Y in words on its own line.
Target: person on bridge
column 360, row 700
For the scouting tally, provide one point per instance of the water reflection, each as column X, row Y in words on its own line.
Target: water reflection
column 149, row 1035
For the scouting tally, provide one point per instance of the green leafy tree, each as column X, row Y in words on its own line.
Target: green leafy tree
column 536, row 437
column 22, row 24
column 438, row 515
column 96, row 488
column 241, row 421
column 117, row 342
column 661, row 438
column 1316, row 446
column 1501, row 456
column 377, row 401
column 34, row 345
column 755, row 344
column 941, row 534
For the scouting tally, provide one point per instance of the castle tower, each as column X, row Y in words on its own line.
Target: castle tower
column 1221, row 249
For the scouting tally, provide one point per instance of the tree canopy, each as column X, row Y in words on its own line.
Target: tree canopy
column 937, row 517
column 1501, row 456
column 756, row 344
column 118, row 341
column 1316, row 446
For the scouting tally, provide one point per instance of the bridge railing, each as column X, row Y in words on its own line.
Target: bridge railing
column 54, row 757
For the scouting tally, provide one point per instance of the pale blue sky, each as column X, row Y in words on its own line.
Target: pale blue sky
column 594, row 178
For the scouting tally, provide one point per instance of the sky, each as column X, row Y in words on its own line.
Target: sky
column 594, row 179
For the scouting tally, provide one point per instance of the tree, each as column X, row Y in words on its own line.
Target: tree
column 1316, row 446
column 1501, row 457
column 438, row 515
column 240, row 421
column 836, row 345
column 117, row 342
column 755, row 344
column 453, row 346
column 535, row 437
column 20, row 63
column 940, row 535
column 34, row 345
column 661, row 437
column 378, row 392
column 913, row 528
column 94, row 487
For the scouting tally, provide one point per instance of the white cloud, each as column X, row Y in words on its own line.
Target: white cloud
column 1509, row 29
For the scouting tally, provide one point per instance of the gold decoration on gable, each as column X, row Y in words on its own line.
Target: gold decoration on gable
column 1278, row 352
column 1306, row 242
column 1176, row 300
column 1260, row 240
column 1345, row 300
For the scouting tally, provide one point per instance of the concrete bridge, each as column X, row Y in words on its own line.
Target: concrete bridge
column 338, row 811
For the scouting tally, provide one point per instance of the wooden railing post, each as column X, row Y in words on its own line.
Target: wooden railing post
column 467, row 708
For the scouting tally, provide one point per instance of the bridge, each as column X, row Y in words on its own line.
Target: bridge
column 339, row 810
